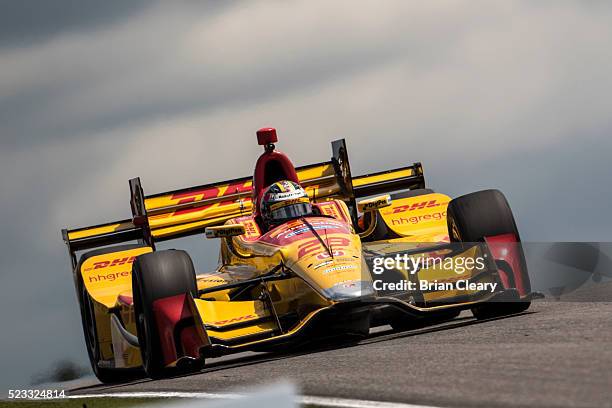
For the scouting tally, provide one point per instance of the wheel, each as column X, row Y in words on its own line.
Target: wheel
column 90, row 332
column 473, row 217
column 158, row 275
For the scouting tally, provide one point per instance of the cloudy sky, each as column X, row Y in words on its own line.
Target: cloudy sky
column 507, row 94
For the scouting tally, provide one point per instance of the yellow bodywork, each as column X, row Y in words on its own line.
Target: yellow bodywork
column 326, row 265
column 422, row 217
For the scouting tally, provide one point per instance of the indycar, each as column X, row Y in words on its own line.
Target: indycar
column 312, row 278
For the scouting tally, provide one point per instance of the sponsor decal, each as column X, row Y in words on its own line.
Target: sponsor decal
column 119, row 268
column 306, row 229
column 338, row 268
column 111, row 263
column 225, row 231
column 415, row 206
column 284, row 196
column 211, row 192
column 250, row 228
column 110, row 277
column 346, row 259
column 234, row 320
column 419, row 218
column 214, row 280
column 315, row 245
column 330, row 209
column 373, row 205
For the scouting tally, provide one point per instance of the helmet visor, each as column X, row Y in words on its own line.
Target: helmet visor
column 292, row 211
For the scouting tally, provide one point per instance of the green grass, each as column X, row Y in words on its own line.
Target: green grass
column 83, row 402
column 97, row 403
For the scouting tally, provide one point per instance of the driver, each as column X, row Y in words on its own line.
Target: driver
column 283, row 201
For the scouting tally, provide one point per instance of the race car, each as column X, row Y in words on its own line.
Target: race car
column 301, row 259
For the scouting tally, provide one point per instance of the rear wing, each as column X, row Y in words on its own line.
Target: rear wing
column 188, row 211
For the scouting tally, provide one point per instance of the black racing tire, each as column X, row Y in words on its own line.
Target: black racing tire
column 481, row 214
column 473, row 217
column 159, row 275
column 90, row 332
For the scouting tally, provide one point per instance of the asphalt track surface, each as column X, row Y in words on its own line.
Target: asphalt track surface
column 557, row 354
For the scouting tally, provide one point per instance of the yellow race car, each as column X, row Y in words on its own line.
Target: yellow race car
column 307, row 254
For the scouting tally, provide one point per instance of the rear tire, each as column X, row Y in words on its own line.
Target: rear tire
column 473, row 217
column 159, row 275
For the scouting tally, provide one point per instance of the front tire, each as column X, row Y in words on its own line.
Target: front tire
column 158, row 275
column 473, row 217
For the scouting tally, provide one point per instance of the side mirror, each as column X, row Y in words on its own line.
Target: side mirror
column 224, row 231
column 372, row 204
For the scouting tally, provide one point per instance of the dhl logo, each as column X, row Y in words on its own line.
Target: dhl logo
column 114, row 262
column 250, row 228
column 234, row 320
column 331, row 210
column 210, row 192
column 416, row 206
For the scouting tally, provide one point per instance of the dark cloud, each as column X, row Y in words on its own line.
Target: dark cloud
column 139, row 90
column 25, row 22
column 199, row 94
